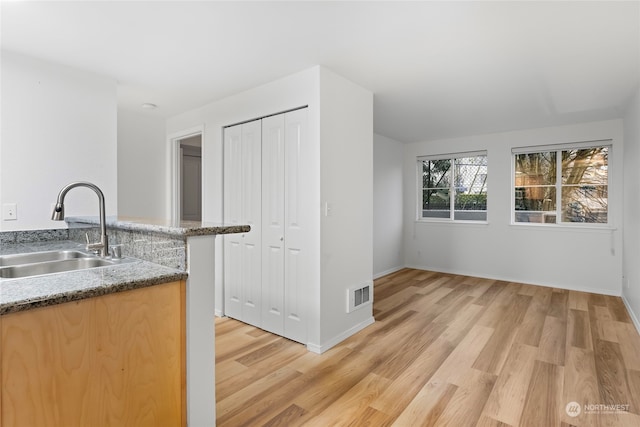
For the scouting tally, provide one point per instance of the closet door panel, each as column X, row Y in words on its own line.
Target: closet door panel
column 295, row 182
column 242, row 205
column 295, row 326
column 233, row 180
column 273, row 225
column 297, row 229
column 251, row 177
column 265, row 269
column 252, row 215
column 251, row 284
column 273, row 290
column 233, row 215
column 233, row 279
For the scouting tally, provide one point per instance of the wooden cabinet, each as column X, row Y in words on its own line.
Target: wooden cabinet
column 267, row 186
column 117, row 359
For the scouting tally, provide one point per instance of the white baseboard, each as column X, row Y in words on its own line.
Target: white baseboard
column 319, row 349
column 632, row 314
column 219, row 313
column 389, row 271
column 518, row 280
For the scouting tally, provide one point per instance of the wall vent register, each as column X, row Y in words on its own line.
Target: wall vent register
column 359, row 297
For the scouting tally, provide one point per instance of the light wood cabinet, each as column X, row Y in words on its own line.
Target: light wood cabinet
column 113, row 360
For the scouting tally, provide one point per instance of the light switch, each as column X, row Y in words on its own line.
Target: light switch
column 328, row 209
column 9, row 212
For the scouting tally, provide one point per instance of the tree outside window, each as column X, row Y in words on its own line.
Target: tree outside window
column 459, row 181
column 562, row 186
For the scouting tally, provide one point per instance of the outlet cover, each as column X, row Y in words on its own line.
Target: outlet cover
column 9, row 212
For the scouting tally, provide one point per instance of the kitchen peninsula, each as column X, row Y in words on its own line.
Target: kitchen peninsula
column 165, row 282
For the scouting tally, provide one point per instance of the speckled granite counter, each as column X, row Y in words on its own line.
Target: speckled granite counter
column 159, row 241
column 185, row 250
column 38, row 291
column 158, row 249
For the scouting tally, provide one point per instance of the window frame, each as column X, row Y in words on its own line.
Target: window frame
column 558, row 149
column 419, row 187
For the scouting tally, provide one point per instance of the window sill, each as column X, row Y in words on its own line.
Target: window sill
column 450, row 222
column 563, row 227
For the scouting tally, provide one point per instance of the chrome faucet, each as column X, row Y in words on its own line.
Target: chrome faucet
column 101, row 247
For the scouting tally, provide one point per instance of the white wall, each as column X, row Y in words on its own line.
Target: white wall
column 58, row 126
column 346, row 162
column 290, row 92
column 293, row 91
column 631, row 262
column 573, row 258
column 142, row 175
column 340, row 121
column 388, row 247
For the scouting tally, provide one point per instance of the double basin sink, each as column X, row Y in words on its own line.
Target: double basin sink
column 39, row 263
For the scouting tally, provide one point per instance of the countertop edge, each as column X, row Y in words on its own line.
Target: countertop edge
column 185, row 229
column 24, row 293
column 61, row 298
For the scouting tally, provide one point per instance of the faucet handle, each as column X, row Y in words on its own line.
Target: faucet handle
column 116, row 251
column 92, row 247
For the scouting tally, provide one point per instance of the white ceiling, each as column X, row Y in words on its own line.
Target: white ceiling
column 437, row 69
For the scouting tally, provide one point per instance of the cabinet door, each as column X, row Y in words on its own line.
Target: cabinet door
column 273, row 226
column 242, row 205
column 296, row 224
column 114, row 360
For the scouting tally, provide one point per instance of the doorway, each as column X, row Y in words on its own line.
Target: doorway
column 191, row 178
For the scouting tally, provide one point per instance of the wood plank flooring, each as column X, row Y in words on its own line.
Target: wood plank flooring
column 445, row 350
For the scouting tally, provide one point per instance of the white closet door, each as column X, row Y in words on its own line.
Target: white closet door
column 266, row 187
column 273, row 205
column 252, row 215
column 233, row 182
column 296, row 224
column 242, row 205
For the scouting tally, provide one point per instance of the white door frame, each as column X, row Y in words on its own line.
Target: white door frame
column 175, row 159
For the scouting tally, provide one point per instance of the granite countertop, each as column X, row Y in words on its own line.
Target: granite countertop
column 37, row 291
column 180, row 228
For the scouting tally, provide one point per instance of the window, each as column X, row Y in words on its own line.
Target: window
column 563, row 185
column 458, row 180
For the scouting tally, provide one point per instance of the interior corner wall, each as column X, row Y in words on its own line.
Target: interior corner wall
column 631, row 266
column 388, row 250
column 141, row 143
column 58, row 126
column 346, row 162
column 585, row 259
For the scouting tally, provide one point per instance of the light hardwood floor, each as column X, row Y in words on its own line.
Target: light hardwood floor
column 445, row 350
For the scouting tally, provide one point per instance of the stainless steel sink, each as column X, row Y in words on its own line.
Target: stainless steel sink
column 39, row 263
column 30, row 258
